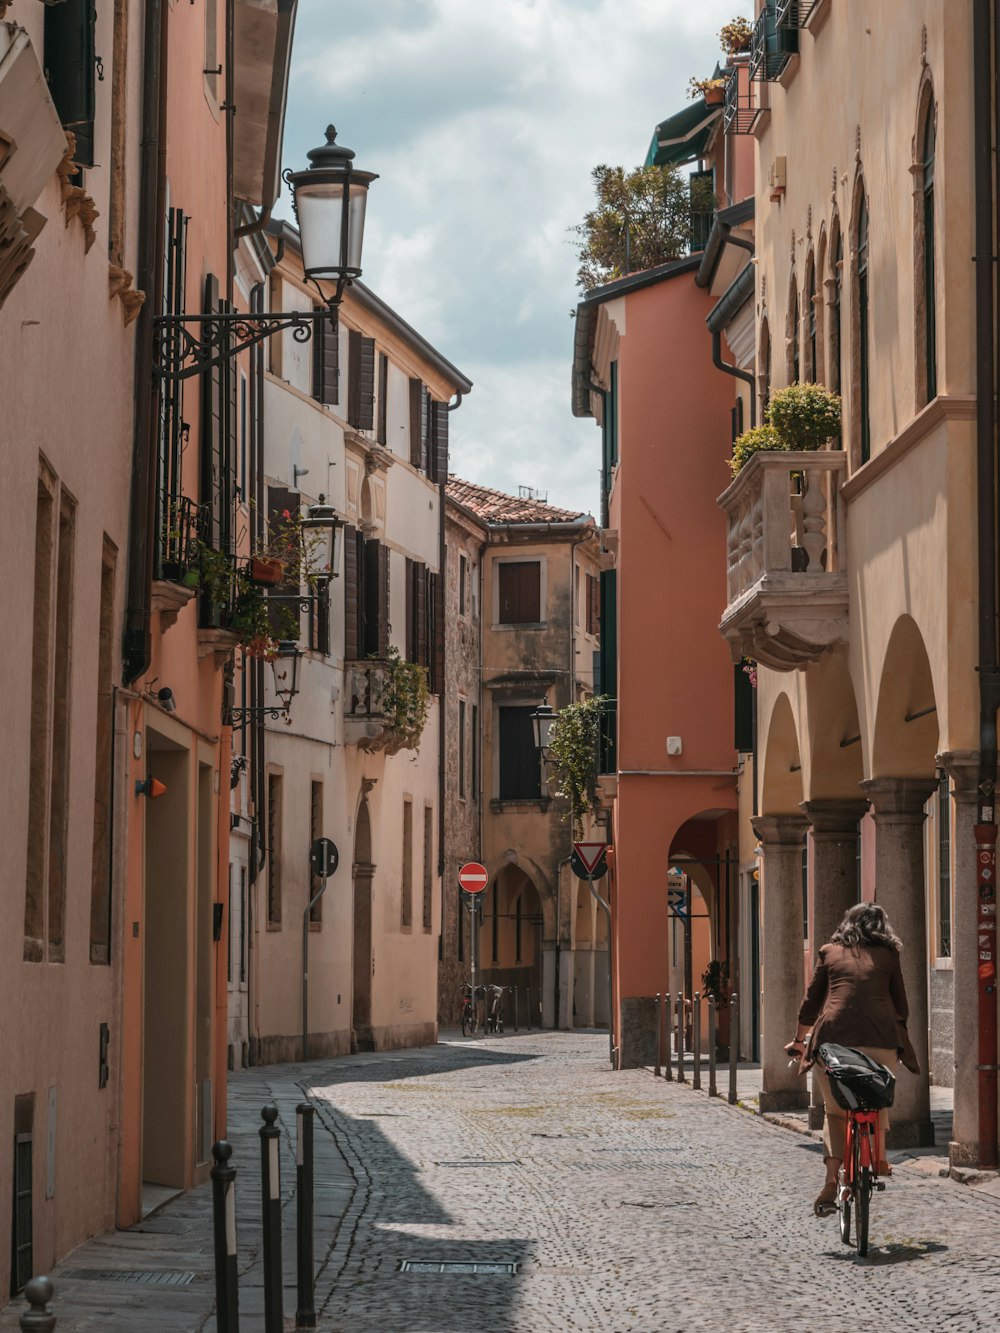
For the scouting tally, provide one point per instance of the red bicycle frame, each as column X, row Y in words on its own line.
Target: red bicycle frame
column 864, row 1123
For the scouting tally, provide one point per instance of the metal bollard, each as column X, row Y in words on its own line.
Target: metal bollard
column 734, row 1042
column 514, row 990
column 681, row 1076
column 270, row 1199
column 305, row 1312
column 713, row 1091
column 528, row 1002
column 668, row 1019
column 39, row 1319
column 656, row 1059
column 696, row 1040
column 227, row 1295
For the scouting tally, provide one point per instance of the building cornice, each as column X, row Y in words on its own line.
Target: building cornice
column 944, row 408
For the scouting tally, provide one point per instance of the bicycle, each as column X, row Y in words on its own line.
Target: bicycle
column 494, row 1008
column 470, row 1010
column 862, row 1087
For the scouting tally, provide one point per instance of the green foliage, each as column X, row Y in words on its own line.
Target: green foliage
column 715, row 981
column 751, row 442
column 698, row 87
column 406, row 700
column 734, row 36
column 574, row 753
column 804, row 416
column 258, row 624
column 642, row 218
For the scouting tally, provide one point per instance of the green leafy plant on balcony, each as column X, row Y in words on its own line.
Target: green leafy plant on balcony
column 707, row 88
column 574, row 758
column 751, row 442
column 406, row 700
column 244, row 609
column 735, row 36
column 804, row 416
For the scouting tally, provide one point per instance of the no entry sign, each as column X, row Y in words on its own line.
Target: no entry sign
column 473, row 877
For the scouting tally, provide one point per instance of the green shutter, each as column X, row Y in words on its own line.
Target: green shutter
column 70, row 70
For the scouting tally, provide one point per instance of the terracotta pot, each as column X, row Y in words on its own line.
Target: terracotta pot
column 714, row 96
column 266, row 571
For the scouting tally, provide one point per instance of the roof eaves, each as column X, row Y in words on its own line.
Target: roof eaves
column 737, row 215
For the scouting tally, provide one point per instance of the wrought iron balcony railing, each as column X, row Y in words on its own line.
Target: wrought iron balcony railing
column 771, row 47
column 786, row 559
column 742, row 107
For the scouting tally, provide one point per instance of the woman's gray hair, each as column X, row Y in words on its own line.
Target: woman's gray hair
column 866, row 924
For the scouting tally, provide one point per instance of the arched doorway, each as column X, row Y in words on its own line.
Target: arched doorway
column 583, row 957
column 510, row 940
column 363, row 872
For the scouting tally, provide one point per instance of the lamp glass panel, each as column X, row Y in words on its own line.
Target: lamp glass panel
column 319, row 207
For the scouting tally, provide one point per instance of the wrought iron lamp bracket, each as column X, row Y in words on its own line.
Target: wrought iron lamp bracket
column 179, row 352
column 239, row 716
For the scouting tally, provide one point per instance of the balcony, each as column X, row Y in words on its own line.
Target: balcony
column 742, row 109
column 786, row 559
column 366, row 723
column 771, row 45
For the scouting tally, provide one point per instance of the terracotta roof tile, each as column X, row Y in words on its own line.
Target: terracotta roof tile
column 495, row 507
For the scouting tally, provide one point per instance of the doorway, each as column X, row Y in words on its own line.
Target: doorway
column 362, row 1036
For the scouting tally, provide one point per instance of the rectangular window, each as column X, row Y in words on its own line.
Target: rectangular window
column 463, row 574
column 382, row 431
column 212, row 66
column 274, row 822
column 406, row 893
column 71, row 70
column 944, row 868
column 326, row 359
column 231, row 934
column 593, row 604
column 360, row 381
column 417, row 638
column 59, row 787
column 100, row 874
column 428, row 867
column 373, row 599
column 41, row 733
column 461, row 749
column 520, row 592
column 420, row 424
column 520, row 772
column 474, row 766
column 315, row 831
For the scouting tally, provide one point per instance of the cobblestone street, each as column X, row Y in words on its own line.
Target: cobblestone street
column 628, row 1204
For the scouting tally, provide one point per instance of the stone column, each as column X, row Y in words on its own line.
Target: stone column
column 962, row 766
column 781, row 956
column 835, row 882
column 900, row 887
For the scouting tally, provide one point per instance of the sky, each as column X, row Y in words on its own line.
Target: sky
column 484, row 120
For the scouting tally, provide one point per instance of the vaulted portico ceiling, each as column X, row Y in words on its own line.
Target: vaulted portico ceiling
column 263, row 41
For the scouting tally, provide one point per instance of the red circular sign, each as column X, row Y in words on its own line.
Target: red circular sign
column 473, row 877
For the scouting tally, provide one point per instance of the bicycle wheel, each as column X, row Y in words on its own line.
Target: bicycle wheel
column 844, row 1207
column 465, row 1023
column 863, row 1194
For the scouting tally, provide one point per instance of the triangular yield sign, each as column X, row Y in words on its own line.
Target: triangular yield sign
column 590, row 854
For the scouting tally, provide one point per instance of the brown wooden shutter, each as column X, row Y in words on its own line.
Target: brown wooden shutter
column 326, row 359
column 211, row 428
column 520, row 772
column 361, row 381
column 383, row 600
column 416, row 420
column 439, row 442
column 375, row 599
column 435, row 632
column 411, row 619
column 420, row 607
column 520, row 592
column 280, row 500
column 352, row 601
column 381, row 434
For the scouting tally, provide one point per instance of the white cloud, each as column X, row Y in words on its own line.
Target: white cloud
column 484, row 119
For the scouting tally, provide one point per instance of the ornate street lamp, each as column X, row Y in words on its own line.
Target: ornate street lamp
column 328, row 526
column 542, row 721
column 285, row 669
column 329, row 199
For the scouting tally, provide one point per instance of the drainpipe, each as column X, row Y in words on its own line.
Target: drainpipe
column 136, row 645
column 719, row 317
column 989, row 678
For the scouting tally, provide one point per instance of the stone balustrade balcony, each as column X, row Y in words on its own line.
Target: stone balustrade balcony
column 365, row 720
column 786, row 562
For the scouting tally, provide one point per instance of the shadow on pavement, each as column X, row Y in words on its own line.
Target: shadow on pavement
column 881, row 1256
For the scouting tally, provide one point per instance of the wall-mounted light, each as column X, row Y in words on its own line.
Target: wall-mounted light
column 150, row 787
column 543, row 719
column 285, row 667
column 166, row 699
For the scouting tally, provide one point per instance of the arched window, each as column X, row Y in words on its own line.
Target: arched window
column 864, row 368
column 836, row 288
column 794, row 349
column 764, row 367
column 811, row 371
column 930, row 311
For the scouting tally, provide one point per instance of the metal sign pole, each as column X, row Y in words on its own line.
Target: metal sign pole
column 323, row 861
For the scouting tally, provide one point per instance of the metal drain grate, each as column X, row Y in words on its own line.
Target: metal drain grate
column 474, row 1161
column 146, row 1277
column 457, row 1266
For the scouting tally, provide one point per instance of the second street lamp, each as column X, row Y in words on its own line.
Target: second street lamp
column 543, row 719
column 285, row 669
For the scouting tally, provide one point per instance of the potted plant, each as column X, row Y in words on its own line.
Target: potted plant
column 735, row 36
column 751, row 442
column 266, row 570
column 713, row 90
column 804, row 416
column 405, row 701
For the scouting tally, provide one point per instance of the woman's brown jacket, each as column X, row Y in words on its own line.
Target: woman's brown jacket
column 857, row 998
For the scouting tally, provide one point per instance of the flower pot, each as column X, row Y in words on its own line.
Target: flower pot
column 191, row 579
column 715, row 96
column 266, row 571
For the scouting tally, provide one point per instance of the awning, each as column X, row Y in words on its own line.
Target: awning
column 683, row 138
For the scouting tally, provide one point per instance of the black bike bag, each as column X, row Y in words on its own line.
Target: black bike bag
column 858, row 1082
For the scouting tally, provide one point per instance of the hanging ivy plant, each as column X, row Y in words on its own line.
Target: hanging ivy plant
column 574, row 758
column 406, row 700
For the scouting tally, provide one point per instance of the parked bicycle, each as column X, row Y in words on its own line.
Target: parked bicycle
column 863, row 1087
column 494, row 1007
column 470, row 1009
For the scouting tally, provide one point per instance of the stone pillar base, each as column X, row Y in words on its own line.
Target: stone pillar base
column 637, row 1041
column 785, row 1099
column 817, row 1117
column 962, row 1155
column 910, row 1134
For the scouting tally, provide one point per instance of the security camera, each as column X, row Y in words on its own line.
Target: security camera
column 166, row 699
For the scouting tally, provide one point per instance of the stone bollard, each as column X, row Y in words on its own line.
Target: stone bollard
column 668, row 1015
column 39, row 1318
column 270, row 1200
column 696, row 1040
column 713, row 1035
column 305, row 1311
column 656, row 1055
column 227, row 1296
column 514, row 989
column 681, row 1076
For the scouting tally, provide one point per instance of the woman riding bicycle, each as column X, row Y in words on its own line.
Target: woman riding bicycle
column 856, row 998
